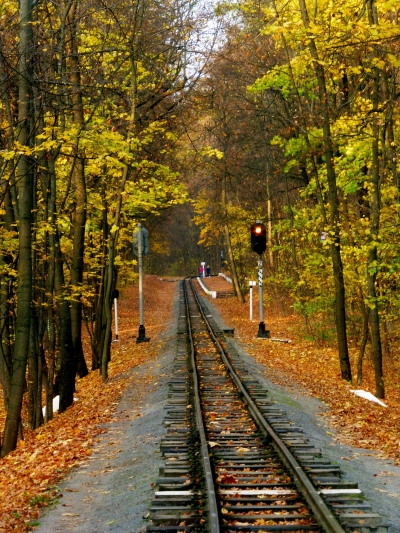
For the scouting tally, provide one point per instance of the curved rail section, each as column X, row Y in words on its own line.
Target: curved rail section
column 233, row 462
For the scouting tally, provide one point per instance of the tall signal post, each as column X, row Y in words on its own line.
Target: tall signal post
column 141, row 248
column 259, row 245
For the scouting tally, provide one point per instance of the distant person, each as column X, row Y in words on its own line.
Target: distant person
column 208, row 270
column 201, row 271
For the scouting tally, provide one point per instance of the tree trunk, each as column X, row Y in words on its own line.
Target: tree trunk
column 67, row 369
column 292, row 239
column 5, row 348
column 79, row 221
column 34, row 381
column 6, row 335
column 6, row 330
column 49, row 191
column 269, row 225
column 109, row 278
column 364, row 340
column 375, row 216
column 236, row 285
column 97, row 341
column 25, row 180
column 389, row 82
column 10, row 187
column 235, row 280
column 105, row 347
column 340, row 303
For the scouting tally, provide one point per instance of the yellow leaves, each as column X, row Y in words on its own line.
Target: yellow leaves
column 393, row 60
column 378, row 63
column 354, row 70
column 211, row 152
column 8, row 8
column 19, row 149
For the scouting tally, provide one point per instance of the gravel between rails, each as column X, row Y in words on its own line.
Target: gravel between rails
column 112, row 492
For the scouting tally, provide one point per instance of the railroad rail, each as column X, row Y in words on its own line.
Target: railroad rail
column 233, row 462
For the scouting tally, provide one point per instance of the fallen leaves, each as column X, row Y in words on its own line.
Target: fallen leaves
column 314, row 369
column 28, row 475
column 243, row 450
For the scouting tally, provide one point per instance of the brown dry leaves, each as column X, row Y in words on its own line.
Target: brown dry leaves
column 315, row 368
column 28, row 474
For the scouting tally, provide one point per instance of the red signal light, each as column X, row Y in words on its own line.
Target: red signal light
column 258, row 238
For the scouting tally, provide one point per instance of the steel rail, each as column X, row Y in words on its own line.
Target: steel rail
column 321, row 511
column 213, row 522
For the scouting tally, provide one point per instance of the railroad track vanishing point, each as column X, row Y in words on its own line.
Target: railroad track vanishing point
column 233, row 462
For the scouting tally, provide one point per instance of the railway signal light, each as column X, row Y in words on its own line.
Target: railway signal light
column 259, row 245
column 258, row 238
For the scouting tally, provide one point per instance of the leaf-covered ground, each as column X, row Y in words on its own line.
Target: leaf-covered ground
column 29, row 474
column 315, row 367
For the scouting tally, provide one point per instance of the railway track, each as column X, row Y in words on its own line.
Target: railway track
column 233, row 462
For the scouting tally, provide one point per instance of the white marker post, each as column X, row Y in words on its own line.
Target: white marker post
column 116, row 318
column 116, row 296
column 251, row 284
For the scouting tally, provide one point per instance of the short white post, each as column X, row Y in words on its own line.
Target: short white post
column 116, row 318
column 251, row 284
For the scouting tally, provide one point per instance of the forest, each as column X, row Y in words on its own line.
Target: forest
column 194, row 119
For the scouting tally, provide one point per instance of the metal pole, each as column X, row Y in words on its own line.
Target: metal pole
column 260, row 287
column 262, row 332
column 142, row 332
column 140, row 262
column 116, row 317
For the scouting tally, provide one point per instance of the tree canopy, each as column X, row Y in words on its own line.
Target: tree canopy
column 114, row 113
